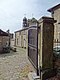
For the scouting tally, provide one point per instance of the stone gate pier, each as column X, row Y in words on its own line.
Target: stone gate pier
column 45, row 46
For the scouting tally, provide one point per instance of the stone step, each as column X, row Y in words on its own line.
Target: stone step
column 33, row 76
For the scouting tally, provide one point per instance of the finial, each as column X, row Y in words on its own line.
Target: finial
column 25, row 15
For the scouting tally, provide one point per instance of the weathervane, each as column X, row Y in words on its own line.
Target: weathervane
column 32, row 14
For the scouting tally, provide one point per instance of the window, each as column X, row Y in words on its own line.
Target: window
column 17, row 41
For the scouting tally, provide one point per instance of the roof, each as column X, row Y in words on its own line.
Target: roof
column 22, row 29
column 54, row 8
column 2, row 33
column 32, row 20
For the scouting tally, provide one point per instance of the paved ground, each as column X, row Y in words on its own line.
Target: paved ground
column 15, row 65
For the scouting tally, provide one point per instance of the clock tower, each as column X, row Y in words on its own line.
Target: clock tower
column 25, row 22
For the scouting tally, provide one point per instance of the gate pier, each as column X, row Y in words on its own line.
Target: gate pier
column 45, row 42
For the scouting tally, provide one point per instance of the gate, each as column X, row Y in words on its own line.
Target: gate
column 33, row 46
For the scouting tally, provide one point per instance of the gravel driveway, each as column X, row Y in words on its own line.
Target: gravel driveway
column 15, row 65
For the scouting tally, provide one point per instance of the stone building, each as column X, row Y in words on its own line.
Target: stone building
column 55, row 13
column 21, row 36
column 4, row 39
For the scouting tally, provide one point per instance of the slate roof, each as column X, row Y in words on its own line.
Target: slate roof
column 54, row 8
column 2, row 33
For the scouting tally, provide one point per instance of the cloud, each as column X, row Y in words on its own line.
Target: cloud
column 12, row 11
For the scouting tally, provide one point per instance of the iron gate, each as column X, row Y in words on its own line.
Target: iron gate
column 33, row 46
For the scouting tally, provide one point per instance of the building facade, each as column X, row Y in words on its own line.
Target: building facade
column 55, row 13
column 21, row 38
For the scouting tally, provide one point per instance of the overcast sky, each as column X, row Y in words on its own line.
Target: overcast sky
column 12, row 11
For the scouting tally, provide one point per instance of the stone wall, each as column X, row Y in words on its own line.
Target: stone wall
column 4, row 41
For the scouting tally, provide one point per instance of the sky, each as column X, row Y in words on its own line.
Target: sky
column 13, row 11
